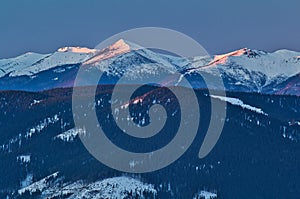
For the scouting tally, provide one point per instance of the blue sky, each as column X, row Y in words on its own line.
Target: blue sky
column 219, row 25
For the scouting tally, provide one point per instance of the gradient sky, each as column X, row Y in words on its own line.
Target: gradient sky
column 219, row 25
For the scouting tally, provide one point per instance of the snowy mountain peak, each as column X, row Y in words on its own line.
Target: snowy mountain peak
column 123, row 46
column 119, row 47
column 77, row 50
column 222, row 59
column 257, row 70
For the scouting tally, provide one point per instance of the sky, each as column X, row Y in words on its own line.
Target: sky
column 219, row 26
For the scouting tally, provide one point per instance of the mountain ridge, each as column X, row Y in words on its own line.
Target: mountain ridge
column 242, row 70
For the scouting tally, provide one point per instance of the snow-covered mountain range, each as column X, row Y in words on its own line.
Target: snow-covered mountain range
column 243, row 70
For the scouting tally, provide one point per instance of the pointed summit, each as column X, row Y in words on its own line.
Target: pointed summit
column 125, row 45
column 119, row 47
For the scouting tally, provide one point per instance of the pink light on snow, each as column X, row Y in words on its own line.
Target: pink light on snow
column 222, row 59
column 77, row 50
column 118, row 48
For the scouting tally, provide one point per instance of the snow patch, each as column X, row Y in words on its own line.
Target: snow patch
column 70, row 135
column 206, row 195
column 238, row 102
column 35, row 102
column 24, row 158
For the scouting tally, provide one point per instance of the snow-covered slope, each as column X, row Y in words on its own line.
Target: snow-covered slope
column 39, row 185
column 253, row 70
column 33, row 63
column 110, row 188
column 19, row 63
column 61, row 57
column 280, row 63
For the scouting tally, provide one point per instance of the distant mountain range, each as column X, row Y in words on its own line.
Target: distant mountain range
column 244, row 70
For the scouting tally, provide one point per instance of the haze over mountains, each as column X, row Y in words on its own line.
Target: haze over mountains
column 244, row 70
